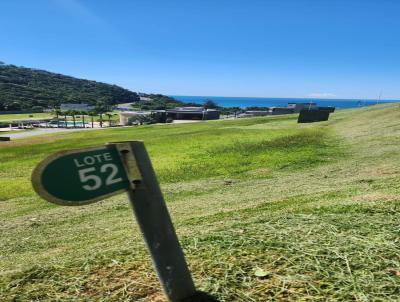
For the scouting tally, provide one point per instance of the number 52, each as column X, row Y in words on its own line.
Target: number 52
column 84, row 176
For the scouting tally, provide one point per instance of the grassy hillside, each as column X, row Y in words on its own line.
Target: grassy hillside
column 313, row 207
column 24, row 88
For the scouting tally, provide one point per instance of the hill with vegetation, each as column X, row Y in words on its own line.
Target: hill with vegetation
column 26, row 88
column 266, row 210
column 158, row 102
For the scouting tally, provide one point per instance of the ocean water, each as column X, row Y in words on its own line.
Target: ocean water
column 270, row 102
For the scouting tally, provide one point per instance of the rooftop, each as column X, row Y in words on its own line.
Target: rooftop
column 191, row 109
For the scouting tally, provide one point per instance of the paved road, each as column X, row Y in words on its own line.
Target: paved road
column 125, row 106
column 43, row 131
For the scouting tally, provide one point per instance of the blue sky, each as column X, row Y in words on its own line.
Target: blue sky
column 281, row 48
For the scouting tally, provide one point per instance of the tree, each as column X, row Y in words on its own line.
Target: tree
column 37, row 108
column 100, row 109
column 57, row 113
column 210, row 104
column 92, row 114
column 73, row 113
column 109, row 115
column 14, row 106
column 83, row 118
column 32, row 87
column 65, row 119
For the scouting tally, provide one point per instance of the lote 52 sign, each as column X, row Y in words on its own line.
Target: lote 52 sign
column 80, row 177
column 84, row 176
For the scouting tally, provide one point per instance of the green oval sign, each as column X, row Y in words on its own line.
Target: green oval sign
column 80, row 177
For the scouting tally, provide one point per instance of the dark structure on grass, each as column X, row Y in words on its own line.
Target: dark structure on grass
column 318, row 114
column 330, row 109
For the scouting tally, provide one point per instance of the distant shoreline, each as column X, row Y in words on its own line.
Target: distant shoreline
column 243, row 102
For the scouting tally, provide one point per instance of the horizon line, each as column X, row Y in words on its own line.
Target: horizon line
column 300, row 98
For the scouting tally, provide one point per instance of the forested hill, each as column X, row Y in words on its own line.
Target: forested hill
column 25, row 88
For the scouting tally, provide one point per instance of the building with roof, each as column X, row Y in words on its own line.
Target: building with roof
column 280, row 110
column 297, row 107
column 193, row 113
column 164, row 116
column 127, row 117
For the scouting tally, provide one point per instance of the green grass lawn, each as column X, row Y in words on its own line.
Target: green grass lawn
column 19, row 116
column 14, row 131
column 314, row 207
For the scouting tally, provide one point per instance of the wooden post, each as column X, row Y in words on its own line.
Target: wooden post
column 155, row 223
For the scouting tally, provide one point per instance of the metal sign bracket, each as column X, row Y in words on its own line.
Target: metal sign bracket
column 129, row 161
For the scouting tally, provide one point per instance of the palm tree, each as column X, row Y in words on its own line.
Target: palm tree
column 109, row 115
column 83, row 118
column 57, row 113
column 101, row 119
column 100, row 108
column 92, row 114
column 65, row 118
column 73, row 113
